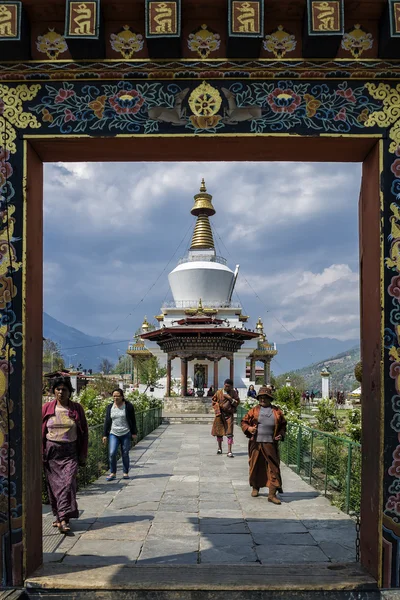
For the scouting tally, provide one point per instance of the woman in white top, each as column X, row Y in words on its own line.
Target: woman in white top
column 119, row 429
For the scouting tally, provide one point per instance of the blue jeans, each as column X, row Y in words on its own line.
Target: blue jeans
column 113, row 442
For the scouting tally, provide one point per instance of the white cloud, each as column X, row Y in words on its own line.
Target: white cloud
column 308, row 304
column 110, row 229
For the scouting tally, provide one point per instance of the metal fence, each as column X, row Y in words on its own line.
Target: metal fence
column 97, row 459
column 329, row 463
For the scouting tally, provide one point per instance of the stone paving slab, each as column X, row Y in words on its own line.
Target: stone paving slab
column 184, row 504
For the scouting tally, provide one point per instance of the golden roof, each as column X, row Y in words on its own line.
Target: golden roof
column 202, row 236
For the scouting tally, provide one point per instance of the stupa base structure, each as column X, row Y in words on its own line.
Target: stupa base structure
column 180, row 404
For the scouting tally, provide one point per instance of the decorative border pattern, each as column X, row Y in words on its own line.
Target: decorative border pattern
column 246, row 105
column 201, row 69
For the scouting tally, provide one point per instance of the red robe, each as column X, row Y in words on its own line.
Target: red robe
column 224, row 413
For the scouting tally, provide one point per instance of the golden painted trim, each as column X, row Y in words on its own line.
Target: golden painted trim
column 199, row 60
column 23, row 387
column 382, row 370
column 296, row 136
column 194, row 79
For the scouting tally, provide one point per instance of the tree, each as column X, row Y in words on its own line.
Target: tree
column 106, row 366
column 52, row 357
column 296, row 380
column 358, row 372
column 123, row 365
column 289, row 396
column 150, row 372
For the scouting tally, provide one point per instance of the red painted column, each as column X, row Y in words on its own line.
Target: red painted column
column 168, row 391
column 215, row 374
column 232, row 368
column 184, row 373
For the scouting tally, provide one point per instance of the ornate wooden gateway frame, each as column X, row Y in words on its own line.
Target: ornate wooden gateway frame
column 253, row 108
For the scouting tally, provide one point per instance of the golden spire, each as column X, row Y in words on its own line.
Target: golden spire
column 260, row 329
column 202, row 236
column 145, row 325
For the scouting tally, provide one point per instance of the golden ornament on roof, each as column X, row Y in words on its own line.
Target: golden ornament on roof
column 145, row 324
column 203, row 208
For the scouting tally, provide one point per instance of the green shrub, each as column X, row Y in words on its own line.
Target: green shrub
column 325, row 415
column 289, row 396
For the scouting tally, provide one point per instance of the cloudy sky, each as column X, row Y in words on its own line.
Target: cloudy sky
column 114, row 230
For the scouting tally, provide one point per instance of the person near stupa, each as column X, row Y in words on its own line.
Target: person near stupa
column 265, row 426
column 225, row 402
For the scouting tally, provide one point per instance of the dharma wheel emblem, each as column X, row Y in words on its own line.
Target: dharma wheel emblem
column 205, row 101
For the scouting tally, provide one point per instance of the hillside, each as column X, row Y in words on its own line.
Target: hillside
column 71, row 341
column 301, row 353
column 341, row 367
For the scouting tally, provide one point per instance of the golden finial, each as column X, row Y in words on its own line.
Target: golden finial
column 200, row 305
column 145, row 324
column 260, row 325
column 203, row 208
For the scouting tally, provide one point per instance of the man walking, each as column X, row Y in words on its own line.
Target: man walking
column 225, row 403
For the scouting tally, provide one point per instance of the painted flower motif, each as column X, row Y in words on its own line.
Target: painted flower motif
column 283, row 100
column 312, row 105
column 63, row 95
column 341, row 115
column 47, row 116
column 98, row 106
column 127, row 102
column 363, row 116
column 394, row 287
column 348, row 94
column 69, row 115
column 395, row 168
column 393, row 504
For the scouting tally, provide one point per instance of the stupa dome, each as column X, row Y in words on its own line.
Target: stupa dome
column 202, row 274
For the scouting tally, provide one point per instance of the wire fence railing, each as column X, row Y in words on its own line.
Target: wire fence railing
column 331, row 464
column 97, row 459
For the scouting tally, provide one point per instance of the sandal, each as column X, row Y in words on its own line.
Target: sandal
column 125, row 476
column 110, row 477
column 56, row 523
column 64, row 527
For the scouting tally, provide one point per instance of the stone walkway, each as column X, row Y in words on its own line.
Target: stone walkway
column 187, row 505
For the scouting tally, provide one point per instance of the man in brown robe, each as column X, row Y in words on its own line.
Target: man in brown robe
column 265, row 426
column 225, row 403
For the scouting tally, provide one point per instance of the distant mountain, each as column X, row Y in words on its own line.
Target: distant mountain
column 301, row 353
column 341, row 367
column 71, row 341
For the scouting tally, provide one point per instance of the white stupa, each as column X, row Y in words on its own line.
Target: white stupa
column 202, row 274
column 202, row 337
